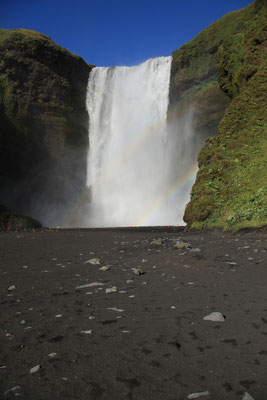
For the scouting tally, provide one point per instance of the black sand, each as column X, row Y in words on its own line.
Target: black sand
column 160, row 348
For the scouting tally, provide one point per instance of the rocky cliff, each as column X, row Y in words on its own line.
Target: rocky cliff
column 44, row 125
column 229, row 57
column 230, row 190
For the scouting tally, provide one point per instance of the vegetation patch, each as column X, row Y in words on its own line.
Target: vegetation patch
column 230, row 190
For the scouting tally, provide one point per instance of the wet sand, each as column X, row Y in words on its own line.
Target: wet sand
column 148, row 339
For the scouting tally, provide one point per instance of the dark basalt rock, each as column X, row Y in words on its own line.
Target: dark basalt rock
column 9, row 220
column 44, row 125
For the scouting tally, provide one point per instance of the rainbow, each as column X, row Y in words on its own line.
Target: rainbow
column 129, row 151
column 165, row 196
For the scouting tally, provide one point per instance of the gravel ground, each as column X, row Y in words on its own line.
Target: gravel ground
column 71, row 329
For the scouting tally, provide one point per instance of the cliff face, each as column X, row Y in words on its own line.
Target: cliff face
column 44, row 125
column 230, row 190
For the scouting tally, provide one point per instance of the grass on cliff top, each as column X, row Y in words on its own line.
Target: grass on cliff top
column 27, row 36
column 197, row 54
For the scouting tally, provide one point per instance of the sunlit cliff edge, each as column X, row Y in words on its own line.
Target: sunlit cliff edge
column 230, row 191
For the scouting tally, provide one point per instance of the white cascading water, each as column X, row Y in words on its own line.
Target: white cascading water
column 128, row 161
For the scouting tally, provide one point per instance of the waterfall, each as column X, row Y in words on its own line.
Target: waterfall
column 129, row 159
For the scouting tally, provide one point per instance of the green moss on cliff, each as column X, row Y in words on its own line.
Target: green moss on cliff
column 44, row 123
column 230, row 190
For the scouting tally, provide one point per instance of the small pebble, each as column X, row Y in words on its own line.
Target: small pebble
column 93, row 261
column 137, row 271
column 215, row 317
column 196, row 395
column 111, row 290
column 247, row 396
column 52, row 355
column 104, row 268
column 195, row 250
column 35, row 369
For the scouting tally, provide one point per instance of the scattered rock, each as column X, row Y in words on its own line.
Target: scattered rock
column 247, row 396
column 195, row 250
column 86, row 285
column 104, row 268
column 129, row 281
column 35, row 369
column 196, row 395
column 15, row 390
column 111, row 290
column 215, row 316
column 232, row 263
column 115, row 309
column 88, row 332
column 93, row 261
column 52, row 355
column 156, row 242
column 13, row 287
column 144, row 260
column 138, row 271
column 25, row 267
column 182, row 245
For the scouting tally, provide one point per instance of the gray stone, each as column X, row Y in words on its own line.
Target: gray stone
column 156, row 242
column 104, row 268
column 215, row 317
column 195, row 250
column 93, row 261
column 15, row 390
column 111, row 290
column 196, row 395
column 182, row 246
column 247, row 396
column 35, row 369
column 93, row 284
column 52, row 355
column 138, row 271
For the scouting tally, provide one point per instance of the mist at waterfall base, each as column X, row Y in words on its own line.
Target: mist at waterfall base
column 136, row 161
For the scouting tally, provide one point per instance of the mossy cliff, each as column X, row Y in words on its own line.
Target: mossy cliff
column 230, row 191
column 44, row 125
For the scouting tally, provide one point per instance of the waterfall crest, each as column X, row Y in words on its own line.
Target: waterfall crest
column 128, row 158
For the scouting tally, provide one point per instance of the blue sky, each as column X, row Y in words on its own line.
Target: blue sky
column 116, row 32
